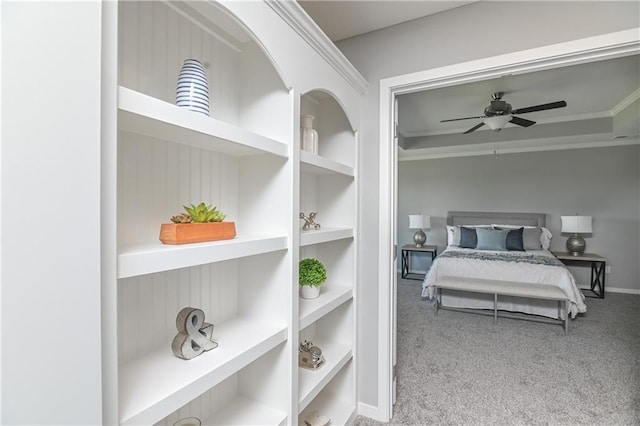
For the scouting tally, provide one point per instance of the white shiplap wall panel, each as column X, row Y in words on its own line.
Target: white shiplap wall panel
column 128, row 46
column 156, row 178
column 153, row 51
column 308, row 190
column 150, row 304
column 160, row 55
column 210, row 401
column 145, row 50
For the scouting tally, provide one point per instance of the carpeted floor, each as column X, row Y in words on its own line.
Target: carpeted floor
column 460, row 369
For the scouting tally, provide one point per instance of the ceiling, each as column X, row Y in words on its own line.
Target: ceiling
column 596, row 93
column 602, row 97
column 344, row 19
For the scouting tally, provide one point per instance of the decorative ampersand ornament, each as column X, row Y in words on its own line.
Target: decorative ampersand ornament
column 194, row 335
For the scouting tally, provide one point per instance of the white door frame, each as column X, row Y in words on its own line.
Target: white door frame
column 608, row 46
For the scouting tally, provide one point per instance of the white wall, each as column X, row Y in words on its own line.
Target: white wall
column 475, row 31
column 598, row 182
column 50, row 211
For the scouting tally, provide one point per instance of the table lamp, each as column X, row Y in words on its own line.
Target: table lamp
column 576, row 225
column 417, row 221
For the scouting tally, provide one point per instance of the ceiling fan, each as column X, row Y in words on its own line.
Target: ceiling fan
column 499, row 113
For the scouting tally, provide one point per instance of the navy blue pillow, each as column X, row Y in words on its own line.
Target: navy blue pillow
column 515, row 239
column 468, row 237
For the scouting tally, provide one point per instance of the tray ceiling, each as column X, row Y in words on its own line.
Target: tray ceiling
column 602, row 99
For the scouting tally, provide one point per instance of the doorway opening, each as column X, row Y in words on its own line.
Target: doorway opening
column 592, row 49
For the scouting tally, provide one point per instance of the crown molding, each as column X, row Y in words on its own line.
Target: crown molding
column 299, row 20
column 514, row 147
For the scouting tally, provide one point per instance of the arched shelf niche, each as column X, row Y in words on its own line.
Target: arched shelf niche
column 336, row 135
column 246, row 88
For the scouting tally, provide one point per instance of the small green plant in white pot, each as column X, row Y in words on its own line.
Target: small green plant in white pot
column 312, row 274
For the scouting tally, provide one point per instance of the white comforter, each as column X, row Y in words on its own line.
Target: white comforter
column 558, row 276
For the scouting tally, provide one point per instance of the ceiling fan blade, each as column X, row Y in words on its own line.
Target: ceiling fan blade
column 464, row 118
column 521, row 121
column 543, row 107
column 474, row 128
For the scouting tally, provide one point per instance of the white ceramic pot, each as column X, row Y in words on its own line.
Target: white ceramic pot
column 309, row 292
column 192, row 91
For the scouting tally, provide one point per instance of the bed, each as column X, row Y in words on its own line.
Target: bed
column 510, row 247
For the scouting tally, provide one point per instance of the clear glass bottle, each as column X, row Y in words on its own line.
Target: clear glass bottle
column 308, row 135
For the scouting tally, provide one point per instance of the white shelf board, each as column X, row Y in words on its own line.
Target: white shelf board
column 330, row 298
column 157, row 257
column 336, row 355
column 314, row 164
column 146, row 115
column 324, row 235
column 244, row 411
column 339, row 411
column 156, row 385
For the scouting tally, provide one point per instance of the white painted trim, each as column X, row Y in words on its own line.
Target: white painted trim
column 590, row 49
column 511, row 147
column 616, row 290
column 367, row 410
column 108, row 212
column 385, row 255
column 608, row 46
column 625, row 103
column 295, row 16
column 1, row 209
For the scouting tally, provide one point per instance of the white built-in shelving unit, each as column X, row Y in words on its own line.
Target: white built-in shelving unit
column 328, row 187
column 244, row 158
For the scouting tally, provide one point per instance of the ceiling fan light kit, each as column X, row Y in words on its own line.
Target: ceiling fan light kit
column 499, row 113
column 497, row 122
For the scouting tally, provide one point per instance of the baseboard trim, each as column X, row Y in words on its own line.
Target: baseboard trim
column 617, row 290
column 368, row 411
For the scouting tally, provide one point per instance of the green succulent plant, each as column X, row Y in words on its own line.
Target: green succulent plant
column 311, row 273
column 204, row 214
column 199, row 214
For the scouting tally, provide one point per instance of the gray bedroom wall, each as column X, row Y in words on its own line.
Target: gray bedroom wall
column 475, row 31
column 598, row 182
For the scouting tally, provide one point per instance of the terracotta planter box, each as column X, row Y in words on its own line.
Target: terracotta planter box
column 186, row 233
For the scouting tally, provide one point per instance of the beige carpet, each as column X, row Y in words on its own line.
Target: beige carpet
column 461, row 369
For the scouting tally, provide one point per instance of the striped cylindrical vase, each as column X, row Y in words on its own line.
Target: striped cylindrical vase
column 192, row 91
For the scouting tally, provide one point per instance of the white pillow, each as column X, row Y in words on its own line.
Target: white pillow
column 453, row 233
column 545, row 235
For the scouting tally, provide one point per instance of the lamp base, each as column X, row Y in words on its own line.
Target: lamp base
column 576, row 245
column 419, row 238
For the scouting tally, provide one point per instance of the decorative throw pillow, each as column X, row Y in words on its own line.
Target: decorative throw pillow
column 514, row 239
column 534, row 237
column 531, row 238
column 453, row 235
column 468, row 237
column 492, row 239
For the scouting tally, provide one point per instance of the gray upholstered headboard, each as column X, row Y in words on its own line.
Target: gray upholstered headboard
column 487, row 218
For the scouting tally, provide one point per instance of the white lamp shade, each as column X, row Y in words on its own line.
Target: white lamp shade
column 497, row 122
column 417, row 221
column 576, row 224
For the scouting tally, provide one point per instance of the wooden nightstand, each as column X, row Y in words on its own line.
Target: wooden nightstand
column 406, row 258
column 598, row 265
